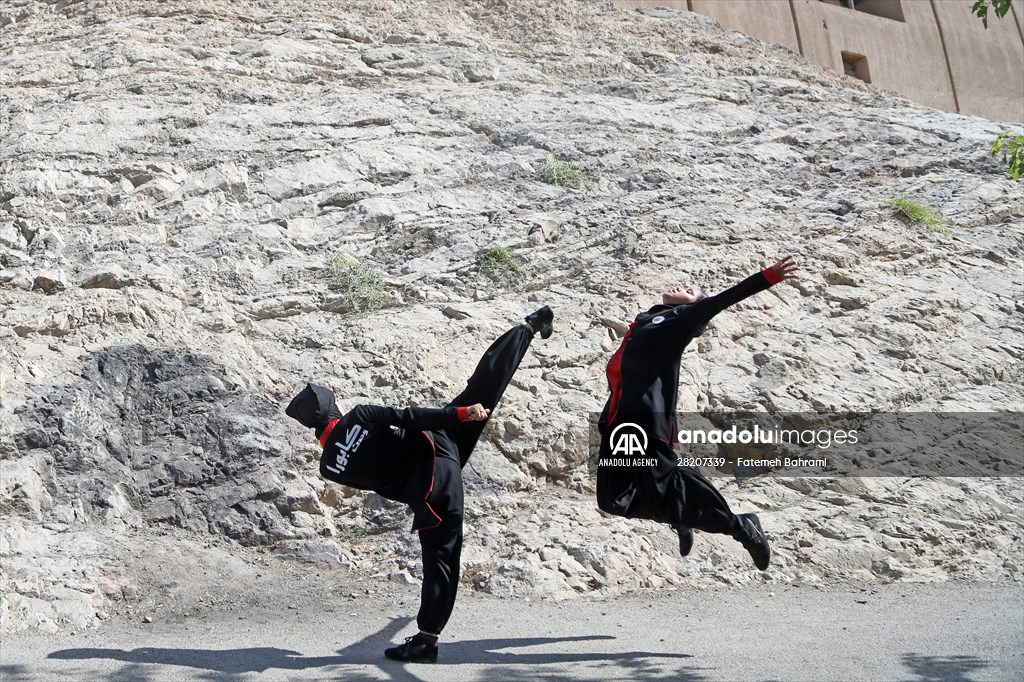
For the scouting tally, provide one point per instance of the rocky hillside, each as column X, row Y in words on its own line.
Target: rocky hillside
column 198, row 198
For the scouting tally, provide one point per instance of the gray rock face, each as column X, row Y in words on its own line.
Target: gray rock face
column 176, row 180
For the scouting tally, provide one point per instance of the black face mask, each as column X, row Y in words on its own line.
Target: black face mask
column 314, row 408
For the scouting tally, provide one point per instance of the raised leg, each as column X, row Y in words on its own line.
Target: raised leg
column 488, row 383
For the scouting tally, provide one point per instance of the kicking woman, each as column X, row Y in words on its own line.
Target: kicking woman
column 416, row 456
column 643, row 376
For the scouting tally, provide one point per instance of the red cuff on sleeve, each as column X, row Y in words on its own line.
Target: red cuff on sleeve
column 770, row 275
column 463, row 414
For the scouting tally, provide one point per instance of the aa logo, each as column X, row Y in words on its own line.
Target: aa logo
column 628, row 439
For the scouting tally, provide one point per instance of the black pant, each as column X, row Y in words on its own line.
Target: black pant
column 442, row 552
column 678, row 496
column 488, row 384
column 442, row 545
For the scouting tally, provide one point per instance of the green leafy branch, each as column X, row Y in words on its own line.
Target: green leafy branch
column 981, row 7
column 1013, row 153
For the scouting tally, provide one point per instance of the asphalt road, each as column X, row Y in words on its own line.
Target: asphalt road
column 897, row 632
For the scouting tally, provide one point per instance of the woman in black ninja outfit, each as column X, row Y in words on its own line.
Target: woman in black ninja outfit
column 643, row 376
column 416, row 456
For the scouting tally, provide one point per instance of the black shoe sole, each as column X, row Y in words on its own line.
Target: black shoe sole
column 754, row 548
column 415, row 659
column 541, row 321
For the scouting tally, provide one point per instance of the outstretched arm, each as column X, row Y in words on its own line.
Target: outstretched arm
column 707, row 308
column 421, row 418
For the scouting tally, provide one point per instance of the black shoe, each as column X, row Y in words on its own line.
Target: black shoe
column 540, row 321
column 685, row 540
column 415, row 650
column 753, row 539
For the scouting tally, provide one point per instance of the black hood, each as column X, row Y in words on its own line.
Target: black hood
column 314, row 408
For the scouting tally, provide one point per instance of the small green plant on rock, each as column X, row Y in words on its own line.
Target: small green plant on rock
column 501, row 266
column 555, row 172
column 499, row 260
column 918, row 214
column 354, row 535
column 361, row 287
column 521, row 49
column 405, row 14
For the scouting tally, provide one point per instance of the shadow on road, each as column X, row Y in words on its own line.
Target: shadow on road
column 227, row 661
column 942, row 668
column 632, row 665
column 625, row 665
column 230, row 662
column 13, row 673
column 487, row 652
column 367, row 652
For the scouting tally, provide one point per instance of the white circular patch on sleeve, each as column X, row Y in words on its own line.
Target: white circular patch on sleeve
column 658, row 320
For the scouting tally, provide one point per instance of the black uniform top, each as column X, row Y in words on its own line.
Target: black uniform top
column 393, row 453
column 643, row 374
